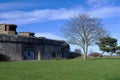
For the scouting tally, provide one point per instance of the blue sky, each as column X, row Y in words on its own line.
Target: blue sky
column 46, row 17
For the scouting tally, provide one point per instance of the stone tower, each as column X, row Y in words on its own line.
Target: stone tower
column 8, row 29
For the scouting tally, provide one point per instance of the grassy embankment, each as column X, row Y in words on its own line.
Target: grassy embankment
column 93, row 69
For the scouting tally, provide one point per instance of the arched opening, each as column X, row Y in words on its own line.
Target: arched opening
column 54, row 55
column 28, row 55
column 4, row 58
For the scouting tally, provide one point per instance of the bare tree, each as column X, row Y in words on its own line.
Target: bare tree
column 83, row 30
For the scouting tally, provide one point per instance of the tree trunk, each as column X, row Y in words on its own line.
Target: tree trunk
column 111, row 54
column 101, row 53
column 85, row 56
column 85, row 52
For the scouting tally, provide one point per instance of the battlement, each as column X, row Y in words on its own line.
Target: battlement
column 8, row 29
column 27, row 34
column 32, row 40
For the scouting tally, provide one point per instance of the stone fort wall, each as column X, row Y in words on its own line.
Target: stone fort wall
column 16, row 47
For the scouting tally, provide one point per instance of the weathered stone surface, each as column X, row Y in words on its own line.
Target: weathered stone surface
column 27, row 34
column 8, row 29
column 18, row 48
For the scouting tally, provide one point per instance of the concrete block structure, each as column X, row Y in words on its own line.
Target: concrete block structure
column 26, row 46
column 8, row 29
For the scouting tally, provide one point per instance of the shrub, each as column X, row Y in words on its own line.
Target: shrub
column 4, row 58
column 74, row 54
column 95, row 54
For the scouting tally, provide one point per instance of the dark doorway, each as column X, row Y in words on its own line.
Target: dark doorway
column 4, row 58
column 29, row 55
column 54, row 55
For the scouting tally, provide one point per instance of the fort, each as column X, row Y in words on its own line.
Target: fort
column 20, row 46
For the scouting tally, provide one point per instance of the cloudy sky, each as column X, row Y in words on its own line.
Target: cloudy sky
column 46, row 17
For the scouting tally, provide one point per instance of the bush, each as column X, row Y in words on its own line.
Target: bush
column 74, row 55
column 4, row 58
column 95, row 54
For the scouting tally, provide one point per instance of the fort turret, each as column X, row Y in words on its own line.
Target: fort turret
column 8, row 29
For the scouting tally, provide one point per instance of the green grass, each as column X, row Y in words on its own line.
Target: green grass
column 93, row 69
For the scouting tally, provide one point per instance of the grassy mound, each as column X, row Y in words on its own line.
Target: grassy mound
column 94, row 69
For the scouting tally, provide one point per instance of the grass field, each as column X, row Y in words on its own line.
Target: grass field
column 93, row 69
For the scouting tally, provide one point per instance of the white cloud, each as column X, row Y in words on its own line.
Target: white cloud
column 24, row 17
column 37, row 15
column 49, row 36
column 106, row 12
column 100, row 3
column 116, row 36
